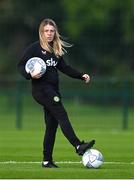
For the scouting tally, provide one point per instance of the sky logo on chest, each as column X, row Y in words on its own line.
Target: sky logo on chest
column 51, row 62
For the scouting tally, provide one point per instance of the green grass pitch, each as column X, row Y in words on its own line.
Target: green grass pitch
column 21, row 155
column 21, row 150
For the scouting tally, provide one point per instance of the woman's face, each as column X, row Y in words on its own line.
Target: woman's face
column 49, row 32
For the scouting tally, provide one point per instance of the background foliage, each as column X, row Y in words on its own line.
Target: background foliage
column 101, row 31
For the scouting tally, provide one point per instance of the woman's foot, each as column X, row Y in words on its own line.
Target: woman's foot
column 80, row 149
column 49, row 164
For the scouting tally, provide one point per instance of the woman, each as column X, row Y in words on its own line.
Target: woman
column 45, row 89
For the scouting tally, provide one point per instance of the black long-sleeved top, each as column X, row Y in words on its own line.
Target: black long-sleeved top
column 53, row 64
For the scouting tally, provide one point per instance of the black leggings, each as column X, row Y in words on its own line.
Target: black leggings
column 54, row 114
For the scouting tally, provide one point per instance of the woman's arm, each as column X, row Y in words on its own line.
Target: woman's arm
column 68, row 70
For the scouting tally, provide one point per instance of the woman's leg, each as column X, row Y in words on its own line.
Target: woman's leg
column 57, row 110
column 49, row 136
column 50, row 99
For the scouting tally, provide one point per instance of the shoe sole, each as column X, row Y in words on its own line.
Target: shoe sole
column 49, row 167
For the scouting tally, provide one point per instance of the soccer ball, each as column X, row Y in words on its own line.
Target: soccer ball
column 36, row 65
column 92, row 158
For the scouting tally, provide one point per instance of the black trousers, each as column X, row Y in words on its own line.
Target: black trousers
column 55, row 114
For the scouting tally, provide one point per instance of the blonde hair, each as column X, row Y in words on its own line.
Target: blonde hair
column 58, row 44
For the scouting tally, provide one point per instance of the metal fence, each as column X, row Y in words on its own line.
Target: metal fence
column 105, row 103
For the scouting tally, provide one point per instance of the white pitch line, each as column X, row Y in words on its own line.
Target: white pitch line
column 61, row 162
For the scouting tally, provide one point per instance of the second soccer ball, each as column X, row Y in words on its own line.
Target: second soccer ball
column 92, row 158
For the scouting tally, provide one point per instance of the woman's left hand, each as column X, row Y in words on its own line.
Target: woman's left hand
column 86, row 78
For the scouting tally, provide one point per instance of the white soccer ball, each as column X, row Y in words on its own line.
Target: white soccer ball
column 92, row 158
column 36, row 65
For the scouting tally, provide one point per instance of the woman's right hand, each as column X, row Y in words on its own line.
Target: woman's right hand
column 35, row 76
column 86, row 78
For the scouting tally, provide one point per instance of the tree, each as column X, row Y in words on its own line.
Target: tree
column 19, row 21
column 103, row 30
